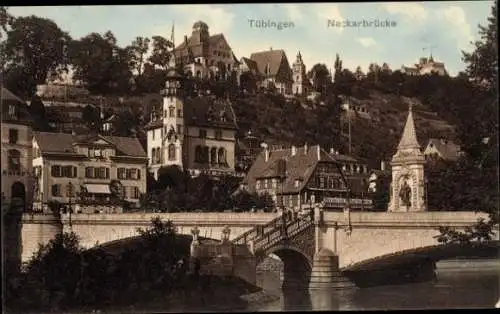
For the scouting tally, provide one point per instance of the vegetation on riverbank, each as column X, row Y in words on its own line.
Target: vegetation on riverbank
column 62, row 276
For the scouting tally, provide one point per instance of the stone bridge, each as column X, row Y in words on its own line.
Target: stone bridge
column 317, row 248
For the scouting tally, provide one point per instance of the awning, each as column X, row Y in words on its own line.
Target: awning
column 98, row 188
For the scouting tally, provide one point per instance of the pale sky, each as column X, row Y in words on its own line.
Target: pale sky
column 448, row 27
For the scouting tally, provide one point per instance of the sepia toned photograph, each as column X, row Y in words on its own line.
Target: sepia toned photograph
column 265, row 157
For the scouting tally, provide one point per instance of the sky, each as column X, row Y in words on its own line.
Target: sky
column 415, row 28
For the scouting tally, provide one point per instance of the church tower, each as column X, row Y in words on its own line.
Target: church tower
column 299, row 86
column 407, row 187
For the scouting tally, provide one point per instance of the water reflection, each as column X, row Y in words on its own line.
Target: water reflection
column 475, row 288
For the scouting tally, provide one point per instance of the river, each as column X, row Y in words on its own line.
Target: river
column 460, row 284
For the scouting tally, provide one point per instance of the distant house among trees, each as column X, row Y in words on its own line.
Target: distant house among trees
column 442, row 148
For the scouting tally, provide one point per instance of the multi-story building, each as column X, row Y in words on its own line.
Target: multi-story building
column 425, row 66
column 89, row 171
column 275, row 70
column 197, row 134
column 301, row 84
column 206, row 56
column 295, row 177
column 17, row 179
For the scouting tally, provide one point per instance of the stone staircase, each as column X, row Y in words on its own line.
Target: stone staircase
column 262, row 238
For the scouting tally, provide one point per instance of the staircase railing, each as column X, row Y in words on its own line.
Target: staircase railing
column 253, row 233
column 276, row 235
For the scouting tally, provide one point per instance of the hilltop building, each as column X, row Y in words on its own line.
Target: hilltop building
column 407, row 165
column 197, row 134
column 425, row 66
column 17, row 179
column 273, row 68
column 442, row 148
column 84, row 170
column 204, row 55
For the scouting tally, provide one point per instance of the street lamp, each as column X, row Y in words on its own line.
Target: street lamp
column 70, row 192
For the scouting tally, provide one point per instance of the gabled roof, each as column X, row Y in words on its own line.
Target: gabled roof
column 8, row 99
column 298, row 167
column 197, row 50
column 209, row 112
column 49, row 142
column 270, row 58
column 7, row 95
column 251, row 64
column 448, row 149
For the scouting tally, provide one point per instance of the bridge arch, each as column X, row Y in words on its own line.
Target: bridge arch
column 431, row 253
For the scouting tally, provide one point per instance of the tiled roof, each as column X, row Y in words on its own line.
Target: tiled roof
column 274, row 59
column 298, row 167
column 7, row 99
column 63, row 143
column 7, row 95
column 197, row 50
column 341, row 157
column 251, row 64
column 448, row 149
column 208, row 111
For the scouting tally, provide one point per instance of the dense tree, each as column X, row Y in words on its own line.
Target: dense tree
column 161, row 51
column 34, row 47
column 337, row 67
column 138, row 49
column 101, row 65
column 321, row 77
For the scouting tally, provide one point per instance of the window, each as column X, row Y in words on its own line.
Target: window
column 152, row 159
column 179, row 113
column 154, row 131
column 171, row 152
column 275, row 183
column 13, row 136
column 265, row 184
column 55, row 171
column 89, row 172
column 135, row 194
column 205, row 154
column 12, row 111
column 202, row 133
column 198, row 154
column 171, row 112
column 322, row 182
column 138, row 174
column 221, row 156
column 120, row 173
column 213, row 155
column 158, row 155
column 257, row 185
column 56, row 190
column 179, row 129
column 218, row 134
column 107, row 173
column 14, row 160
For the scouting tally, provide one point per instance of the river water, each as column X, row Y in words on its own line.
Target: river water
column 460, row 284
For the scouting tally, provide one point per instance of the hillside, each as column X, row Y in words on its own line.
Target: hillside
column 375, row 132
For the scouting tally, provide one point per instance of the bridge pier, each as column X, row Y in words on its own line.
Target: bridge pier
column 326, row 274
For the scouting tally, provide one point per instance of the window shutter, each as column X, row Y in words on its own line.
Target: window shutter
column 138, row 174
column 107, row 173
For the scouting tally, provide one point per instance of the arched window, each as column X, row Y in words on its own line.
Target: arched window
column 198, row 154
column 14, row 160
column 221, row 156
column 213, row 155
column 205, row 154
column 158, row 155
column 171, row 152
column 198, row 74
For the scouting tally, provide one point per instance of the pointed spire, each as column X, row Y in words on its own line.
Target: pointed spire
column 409, row 138
column 172, row 39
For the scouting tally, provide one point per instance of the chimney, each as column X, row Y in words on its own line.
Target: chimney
column 305, row 149
column 294, row 150
column 318, row 152
column 266, row 151
column 382, row 165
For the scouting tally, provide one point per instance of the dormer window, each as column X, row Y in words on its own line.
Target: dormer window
column 297, row 183
column 12, row 111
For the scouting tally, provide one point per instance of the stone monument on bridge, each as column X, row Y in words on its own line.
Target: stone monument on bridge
column 407, row 189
